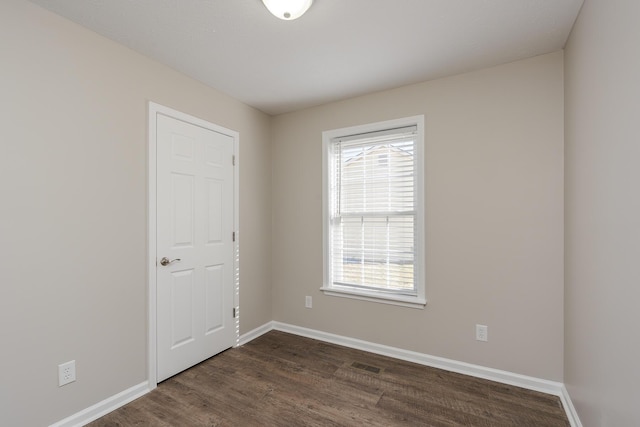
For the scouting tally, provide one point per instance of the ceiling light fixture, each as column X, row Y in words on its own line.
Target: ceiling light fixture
column 287, row 9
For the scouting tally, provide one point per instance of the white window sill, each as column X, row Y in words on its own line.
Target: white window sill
column 400, row 300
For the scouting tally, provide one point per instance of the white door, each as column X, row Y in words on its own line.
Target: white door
column 195, row 220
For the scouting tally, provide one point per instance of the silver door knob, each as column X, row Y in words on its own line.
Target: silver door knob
column 167, row 261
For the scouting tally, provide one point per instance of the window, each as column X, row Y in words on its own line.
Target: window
column 373, row 212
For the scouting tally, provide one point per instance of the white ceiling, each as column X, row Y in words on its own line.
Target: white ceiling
column 338, row 49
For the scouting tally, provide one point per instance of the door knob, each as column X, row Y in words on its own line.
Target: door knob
column 167, row 261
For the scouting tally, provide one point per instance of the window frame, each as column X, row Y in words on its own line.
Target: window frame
column 379, row 296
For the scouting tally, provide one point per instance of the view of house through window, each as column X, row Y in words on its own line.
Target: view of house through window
column 371, row 211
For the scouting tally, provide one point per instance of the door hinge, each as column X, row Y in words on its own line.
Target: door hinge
column 233, row 236
column 234, row 312
column 233, row 160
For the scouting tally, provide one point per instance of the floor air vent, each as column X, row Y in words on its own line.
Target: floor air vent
column 364, row 367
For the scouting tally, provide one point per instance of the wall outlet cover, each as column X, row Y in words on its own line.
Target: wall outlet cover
column 66, row 373
column 482, row 333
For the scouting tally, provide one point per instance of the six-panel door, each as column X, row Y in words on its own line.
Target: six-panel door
column 195, row 191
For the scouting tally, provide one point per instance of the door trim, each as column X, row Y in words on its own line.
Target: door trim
column 154, row 110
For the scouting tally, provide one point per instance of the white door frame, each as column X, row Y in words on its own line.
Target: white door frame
column 154, row 110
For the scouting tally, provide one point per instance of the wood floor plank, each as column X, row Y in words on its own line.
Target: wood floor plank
column 285, row 380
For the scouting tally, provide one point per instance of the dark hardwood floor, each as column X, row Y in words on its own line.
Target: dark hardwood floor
column 280, row 379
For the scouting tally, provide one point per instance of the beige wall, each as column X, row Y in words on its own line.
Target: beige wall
column 603, row 213
column 73, row 172
column 494, row 197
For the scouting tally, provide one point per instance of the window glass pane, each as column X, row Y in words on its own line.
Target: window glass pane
column 373, row 220
column 376, row 177
column 374, row 252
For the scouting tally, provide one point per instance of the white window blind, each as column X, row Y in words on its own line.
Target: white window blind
column 373, row 211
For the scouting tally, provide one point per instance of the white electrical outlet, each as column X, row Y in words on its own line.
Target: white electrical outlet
column 482, row 333
column 308, row 302
column 66, row 373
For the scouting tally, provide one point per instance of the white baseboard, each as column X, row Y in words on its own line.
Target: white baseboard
column 252, row 335
column 102, row 408
column 567, row 404
column 504, row 377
